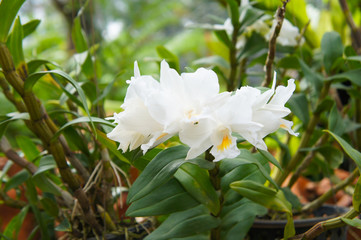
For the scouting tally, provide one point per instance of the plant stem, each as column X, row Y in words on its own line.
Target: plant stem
column 306, row 137
column 327, row 195
column 280, row 15
column 39, row 119
column 233, row 60
column 307, row 160
column 216, row 182
column 325, row 225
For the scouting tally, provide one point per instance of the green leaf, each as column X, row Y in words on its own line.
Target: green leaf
column 78, row 36
column 172, row 59
column 102, row 138
column 352, row 75
column 233, row 8
column 82, row 120
column 254, row 44
column 185, row 224
column 30, row 27
column 223, row 37
column 16, row 180
column 15, row 44
column 32, row 196
column 314, row 79
column 158, row 171
column 64, row 226
column 8, row 11
column 11, row 117
column 42, row 182
column 335, row 122
column 299, row 106
column 332, row 155
column 266, row 197
column 270, row 158
column 349, row 150
column 332, row 49
column 33, row 78
column 356, row 222
column 237, row 169
column 46, row 163
column 238, row 218
column 356, row 197
column 197, row 183
column 14, row 226
column 168, row 198
column 33, row 65
column 248, row 16
column 28, row 147
column 50, row 206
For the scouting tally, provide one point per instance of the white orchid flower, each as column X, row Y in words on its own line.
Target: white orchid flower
column 288, row 35
column 135, row 126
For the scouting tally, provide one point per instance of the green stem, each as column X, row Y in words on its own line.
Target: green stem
column 327, row 195
column 325, row 225
column 216, row 182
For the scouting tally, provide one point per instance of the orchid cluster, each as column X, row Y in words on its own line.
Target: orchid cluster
column 191, row 106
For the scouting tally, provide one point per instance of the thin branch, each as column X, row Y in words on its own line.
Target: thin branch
column 280, row 15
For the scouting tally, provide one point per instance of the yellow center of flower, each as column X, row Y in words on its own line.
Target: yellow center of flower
column 162, row 135
column 226, row 142
column 283, row 126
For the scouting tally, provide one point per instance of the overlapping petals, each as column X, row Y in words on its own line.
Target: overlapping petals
column 191, row 106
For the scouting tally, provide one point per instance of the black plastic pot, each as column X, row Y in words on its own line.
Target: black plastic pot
column 273, row 229
column 137, row 232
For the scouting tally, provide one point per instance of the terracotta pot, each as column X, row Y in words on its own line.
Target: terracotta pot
column 273, row 229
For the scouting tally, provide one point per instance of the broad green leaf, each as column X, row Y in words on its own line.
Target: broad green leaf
column 102, row 138
column 248, row 16
column 64, row 226
column 42, row 182
column 33, row 65
column 31, row 195
column 314, row 79
column 158, row 171
column 267, row 155
column 335, row 122
column 332, row 155
column 223, row 37
column 185, row 224
column 356, row 222
column 78, row 36
column 14, row 226
column 8, row 11
column 352, row 75
column 168, row 198
column 16, row 180
column 172, row 59
column 266, row 197
column 299, row 106
column 332, row 49
column 46, row 163
column 354, row 58
column 349, row 150
column 82, row 120
column 33, row 78
column 50, row 206
column 238, row 218
column 9, row 118
column 30, row 27
column 238, row 168
column 197, row 183
column 15, row 45
column 233, row 9
column 254, row 44
column 28, row 147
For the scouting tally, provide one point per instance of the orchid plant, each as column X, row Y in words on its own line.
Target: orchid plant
column 216, row 146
